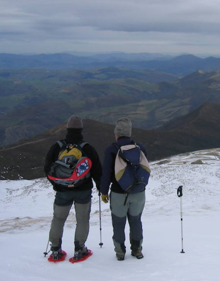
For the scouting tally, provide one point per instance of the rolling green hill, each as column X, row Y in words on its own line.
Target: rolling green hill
column 32, row 101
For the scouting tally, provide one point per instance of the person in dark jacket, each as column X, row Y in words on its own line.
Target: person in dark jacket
column 122, row 209
column 79, row 196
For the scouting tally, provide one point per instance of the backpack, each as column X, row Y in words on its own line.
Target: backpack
column 132, row 170
column 72, row 166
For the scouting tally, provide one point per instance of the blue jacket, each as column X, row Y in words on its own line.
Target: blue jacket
column 108, row 173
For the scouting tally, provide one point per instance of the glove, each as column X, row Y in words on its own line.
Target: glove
column 105, row 198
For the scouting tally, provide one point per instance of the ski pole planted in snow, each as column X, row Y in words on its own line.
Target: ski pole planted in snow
column 180, row 194
column 46, row 252
column 100, row 221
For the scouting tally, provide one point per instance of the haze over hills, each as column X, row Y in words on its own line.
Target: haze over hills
column 77, row 75
column 32, row 101
column 116, row 56
column 58, row 94
column 180, row 65
column 193, row 132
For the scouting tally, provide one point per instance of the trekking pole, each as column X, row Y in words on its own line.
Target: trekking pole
column 100, row 221
column 46, row 253
column 180, row 194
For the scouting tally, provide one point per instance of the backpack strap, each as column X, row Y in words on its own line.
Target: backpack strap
column 80, row 147
column 83, row 143
column 61, row 143
column 121, row 152
column 118, row 146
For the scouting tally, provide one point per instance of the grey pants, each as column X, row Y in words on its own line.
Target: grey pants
column 62, row 205
column 132, row 212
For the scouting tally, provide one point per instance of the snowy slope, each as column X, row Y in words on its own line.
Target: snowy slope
column 26, row 212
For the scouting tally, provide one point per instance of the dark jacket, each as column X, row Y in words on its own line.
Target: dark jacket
column 108, row 173
column 74, row 136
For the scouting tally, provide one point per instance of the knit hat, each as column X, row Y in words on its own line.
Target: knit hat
column 74, row 122
column 123, row 127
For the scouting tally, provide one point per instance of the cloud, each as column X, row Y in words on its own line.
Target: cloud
column 105, row 21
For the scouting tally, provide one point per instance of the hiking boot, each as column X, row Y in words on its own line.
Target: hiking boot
column 137, row 253
column 77, row 255
column 83, row 251
column 56, row 253
column 120, row 257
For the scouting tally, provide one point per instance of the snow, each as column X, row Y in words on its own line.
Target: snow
column 26, row 212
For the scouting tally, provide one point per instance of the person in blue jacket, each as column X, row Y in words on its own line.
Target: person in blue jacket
column 122, row 209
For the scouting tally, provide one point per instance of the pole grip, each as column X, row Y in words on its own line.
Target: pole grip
column 180, row 191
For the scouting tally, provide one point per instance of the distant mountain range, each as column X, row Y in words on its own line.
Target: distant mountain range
column 198, row 130
column 118, row 56
column 181, row 65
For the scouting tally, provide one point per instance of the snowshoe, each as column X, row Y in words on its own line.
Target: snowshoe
column 57, row 256
column 81, row 256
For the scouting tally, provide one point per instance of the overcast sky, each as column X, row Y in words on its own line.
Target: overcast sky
column 162, row 26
